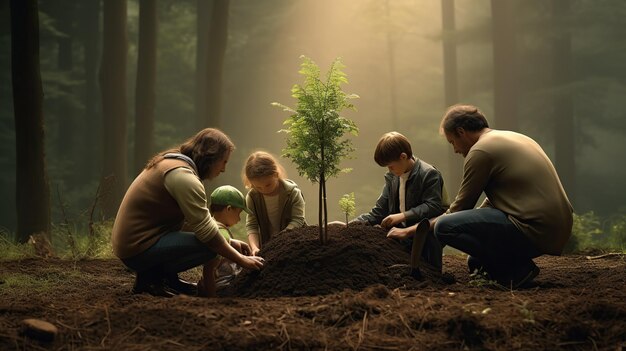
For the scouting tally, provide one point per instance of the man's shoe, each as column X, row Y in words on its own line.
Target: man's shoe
column 525, row 278
column 474, row 264
column 154, row 289
column 521, row 277
column 180, row 286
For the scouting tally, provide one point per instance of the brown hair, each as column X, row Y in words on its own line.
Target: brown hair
column 206, row 148
column 389, row 148
column 261, row 164
column 215, row 208
column 468, row 117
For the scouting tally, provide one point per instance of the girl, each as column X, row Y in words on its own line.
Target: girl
column 148, row 233
column 276, row 203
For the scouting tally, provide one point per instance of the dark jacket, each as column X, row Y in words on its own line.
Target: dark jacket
column 425, row 196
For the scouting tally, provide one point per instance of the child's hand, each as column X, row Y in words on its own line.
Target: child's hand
column 240, row 246
column 251, row 262
column 399, row 233
column 392, row 220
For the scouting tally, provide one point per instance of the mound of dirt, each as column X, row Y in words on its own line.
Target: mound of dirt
column 296, row 264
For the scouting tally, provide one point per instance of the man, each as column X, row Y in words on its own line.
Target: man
column 526, row 212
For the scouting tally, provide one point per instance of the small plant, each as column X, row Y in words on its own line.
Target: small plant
column 347, row 205
column 480, row 278
column 315, row 130
column 585, row 229
column 617, row 232
column 527, row 314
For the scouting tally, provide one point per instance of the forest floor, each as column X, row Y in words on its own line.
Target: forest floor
column 577, row 303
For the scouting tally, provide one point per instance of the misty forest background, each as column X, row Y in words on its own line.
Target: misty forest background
column 554, row 70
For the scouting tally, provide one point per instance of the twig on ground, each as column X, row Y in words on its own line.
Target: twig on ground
column 610, row 254
column 106, row 313
column 407, row 325
column 361, row 332
column 283, row 333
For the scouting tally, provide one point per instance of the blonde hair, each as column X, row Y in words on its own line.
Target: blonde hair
column 261, row 164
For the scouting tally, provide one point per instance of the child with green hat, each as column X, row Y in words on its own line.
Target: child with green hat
column 227, row 203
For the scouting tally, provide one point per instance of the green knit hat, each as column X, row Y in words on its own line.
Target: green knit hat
column 229, row 196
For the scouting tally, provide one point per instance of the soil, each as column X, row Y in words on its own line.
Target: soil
column 353, row 293
column 354, row 258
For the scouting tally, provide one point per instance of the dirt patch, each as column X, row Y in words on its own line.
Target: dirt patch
column 577, row 304
column 354, row 258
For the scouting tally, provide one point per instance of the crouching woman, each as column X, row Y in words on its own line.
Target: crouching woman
column 148, row 234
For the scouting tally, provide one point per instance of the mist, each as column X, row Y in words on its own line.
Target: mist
column 393, row 52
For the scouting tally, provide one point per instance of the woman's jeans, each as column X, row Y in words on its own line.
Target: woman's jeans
column 489, row 236
column 174, row 252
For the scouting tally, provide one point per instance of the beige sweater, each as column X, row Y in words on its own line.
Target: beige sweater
column 519, row 179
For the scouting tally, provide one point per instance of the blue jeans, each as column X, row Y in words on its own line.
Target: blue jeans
column 489, row 236
column 174, row 252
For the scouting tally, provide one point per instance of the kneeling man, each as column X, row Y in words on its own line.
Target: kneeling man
column 526, row 212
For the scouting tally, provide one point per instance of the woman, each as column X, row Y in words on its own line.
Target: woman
column 148, row 234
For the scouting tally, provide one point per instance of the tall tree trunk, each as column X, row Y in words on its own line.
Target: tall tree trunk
column 451, row 86
column 64, row 13
column 32, row 189
column 145, row 86
column 91, row 122
column 391, row 61
column 204, row 10
column 218, row 38
column 505, row 65
column 564, row 129
column 64, row 16
column 113, row 87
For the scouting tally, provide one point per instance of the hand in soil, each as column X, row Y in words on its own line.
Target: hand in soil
column 242, row 247
column 398, row 233
column 392, row 220
column 252, row 262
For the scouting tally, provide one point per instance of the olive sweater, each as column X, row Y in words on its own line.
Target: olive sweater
column 291, row 206
column 518, row 179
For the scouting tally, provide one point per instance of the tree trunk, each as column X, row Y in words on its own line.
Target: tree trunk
column 218, row 38
column 145, row 86
column 564, row 129
column 64, row 13
column 505, row 65
column 32, row 189
column 91, row 122
column 325, row 212
column 391, row 61
column 451, row 86
column 113, row 87
column 319, row 209
column 204, row 11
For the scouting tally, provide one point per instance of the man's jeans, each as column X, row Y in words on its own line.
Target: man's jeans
column 174, row 252
column 490, row 237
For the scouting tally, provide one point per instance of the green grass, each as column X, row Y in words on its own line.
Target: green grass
column 67, row 244
column 45, row 281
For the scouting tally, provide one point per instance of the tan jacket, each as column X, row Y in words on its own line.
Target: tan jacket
column 519, row 180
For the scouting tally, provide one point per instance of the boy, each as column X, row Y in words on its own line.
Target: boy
column 413, row 191
column 227, row 203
